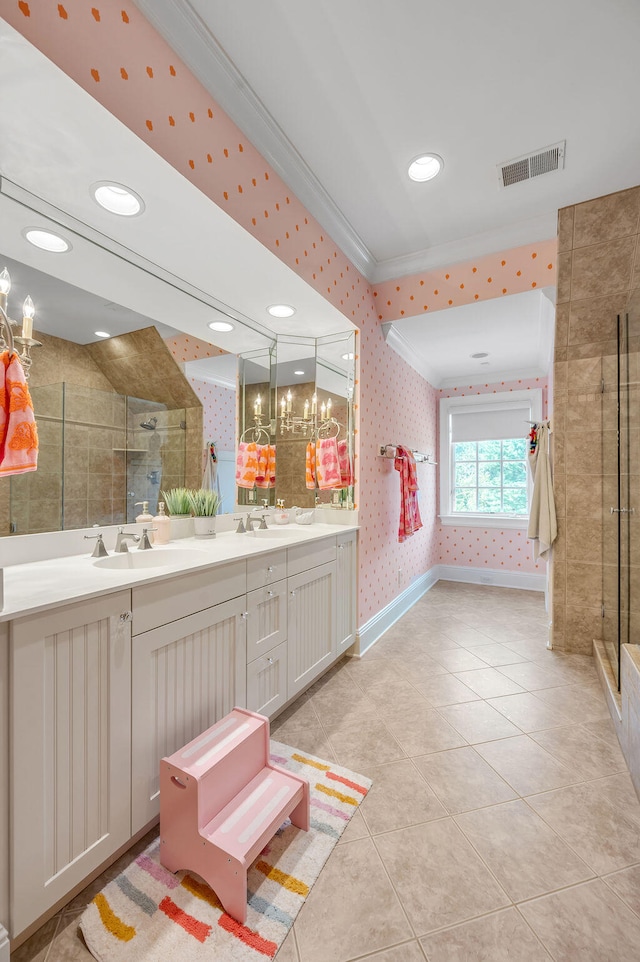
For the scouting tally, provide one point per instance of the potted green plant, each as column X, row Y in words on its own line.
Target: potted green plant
column 204, row 505
column 176, row 501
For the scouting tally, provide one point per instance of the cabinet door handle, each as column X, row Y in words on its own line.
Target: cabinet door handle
column 245, row 615
column 293, row 594
column 340, row 547
column 269, row 661
column 125, row 617
column 269, row 569
column 269, row 594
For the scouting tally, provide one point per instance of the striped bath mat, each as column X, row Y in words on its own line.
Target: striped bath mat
column 147, row 914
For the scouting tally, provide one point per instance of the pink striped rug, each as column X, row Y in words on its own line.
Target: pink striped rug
column 147, row 914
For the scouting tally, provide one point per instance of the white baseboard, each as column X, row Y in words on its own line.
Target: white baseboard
column 372, row 630
column 368, row 634
column 491, row 576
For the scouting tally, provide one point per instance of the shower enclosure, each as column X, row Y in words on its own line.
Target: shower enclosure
column 99, row 454
column 620, row 503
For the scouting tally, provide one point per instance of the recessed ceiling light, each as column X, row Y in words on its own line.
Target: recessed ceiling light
column 425, row 167
column 483, row 363
column 299, row 373
column 46, row 240
column 102, row 334
column 221, row 326
column 480, row 354
column 348, row 357
column 117, row 199
column 281, row 310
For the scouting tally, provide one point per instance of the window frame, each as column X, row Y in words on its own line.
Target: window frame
column 504, row 400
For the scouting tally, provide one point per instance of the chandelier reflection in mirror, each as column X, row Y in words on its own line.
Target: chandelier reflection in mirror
column 302, row 424
column 9, row 341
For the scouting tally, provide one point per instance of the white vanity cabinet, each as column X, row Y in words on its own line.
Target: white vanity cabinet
column 312, row 588
column 186, row 674
column 346, row 594
column 70, row 757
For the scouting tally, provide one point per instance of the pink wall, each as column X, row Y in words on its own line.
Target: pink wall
column 218, row 413
column 120, row 60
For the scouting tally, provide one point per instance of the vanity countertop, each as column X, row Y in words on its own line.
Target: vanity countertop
column 29, row 588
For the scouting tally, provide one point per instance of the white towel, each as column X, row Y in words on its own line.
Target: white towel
column 542, row 530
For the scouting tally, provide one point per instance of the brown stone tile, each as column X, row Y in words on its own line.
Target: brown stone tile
column 607, row 218
column 584, row 497
column 604, row 268
column 595, row 318
column 626, row 885
column 566, row 218
column 421, row 732
column 478, row 722
column 564, row 277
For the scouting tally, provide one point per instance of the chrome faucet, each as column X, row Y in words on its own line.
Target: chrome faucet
column 251, row 521
column 121, row 540
column 145, row 544
column 100, row 550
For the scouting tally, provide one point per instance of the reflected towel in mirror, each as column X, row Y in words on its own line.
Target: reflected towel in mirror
column 18, row 432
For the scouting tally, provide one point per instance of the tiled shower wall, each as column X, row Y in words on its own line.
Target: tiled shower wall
column 598, row 278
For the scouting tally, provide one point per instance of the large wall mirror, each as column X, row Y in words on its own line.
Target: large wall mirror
column 118, row 423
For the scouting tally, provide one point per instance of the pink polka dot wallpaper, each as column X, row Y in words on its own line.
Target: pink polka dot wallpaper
column 219, row 413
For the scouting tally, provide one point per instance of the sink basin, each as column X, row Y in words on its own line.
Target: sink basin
column 155, row 558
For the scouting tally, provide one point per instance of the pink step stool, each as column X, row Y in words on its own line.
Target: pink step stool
column 221, row 800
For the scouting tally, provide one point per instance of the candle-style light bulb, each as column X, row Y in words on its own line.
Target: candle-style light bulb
column 314, row 405
column 323, row 411
column 306, row 410
column 282, row 404
column 329, row 408
column 28, row 310
column 5, row 287
column 289, row 400
column 257, row 407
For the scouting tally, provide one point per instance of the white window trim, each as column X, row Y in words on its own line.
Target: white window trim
column 504, row 399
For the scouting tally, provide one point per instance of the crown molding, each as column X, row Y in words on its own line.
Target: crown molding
column 408, row 353
column 185, row 31
column 530, row 231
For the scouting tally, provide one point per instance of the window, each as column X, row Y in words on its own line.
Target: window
column 483, row 457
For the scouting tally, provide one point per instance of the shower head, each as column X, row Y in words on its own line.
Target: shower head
column 149, row 424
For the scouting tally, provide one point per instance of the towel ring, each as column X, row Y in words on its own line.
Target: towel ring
column 257, row 432
column 8, row 333
column 327, row 425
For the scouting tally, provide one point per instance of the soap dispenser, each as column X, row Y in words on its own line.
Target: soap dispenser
column 144, row 517
column 162, row 524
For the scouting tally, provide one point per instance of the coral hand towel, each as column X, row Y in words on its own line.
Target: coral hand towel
column 410, row 520
column 310, row 466
column 246, row 464
column 346, row 471
column 18, row 432
column 327, row 465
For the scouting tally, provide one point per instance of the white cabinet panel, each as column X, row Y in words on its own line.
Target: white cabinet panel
column 70, row 776
column 346, row 594
column 266, row 569
column 311, row 625
column 186, row 676
column 266, row 619
column 301, row 557
column 267, row 681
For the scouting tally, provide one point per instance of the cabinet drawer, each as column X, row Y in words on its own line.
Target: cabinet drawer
column 166, row 601
column 267, row 681
column 266, row 618
column 301, row 557
column 266, row 569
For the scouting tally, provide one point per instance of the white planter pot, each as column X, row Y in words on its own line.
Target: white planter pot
column 205, row 527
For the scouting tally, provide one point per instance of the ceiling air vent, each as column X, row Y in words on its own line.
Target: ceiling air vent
column 544, row 161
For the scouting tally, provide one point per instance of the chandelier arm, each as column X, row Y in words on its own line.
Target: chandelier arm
column 8, row 335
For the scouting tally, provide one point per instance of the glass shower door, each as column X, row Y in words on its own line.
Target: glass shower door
column 620, row 429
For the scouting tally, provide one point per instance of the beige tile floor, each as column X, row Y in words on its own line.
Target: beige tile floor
column 502, row 824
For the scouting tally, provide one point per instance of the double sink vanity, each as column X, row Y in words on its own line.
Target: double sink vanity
column 109, row 664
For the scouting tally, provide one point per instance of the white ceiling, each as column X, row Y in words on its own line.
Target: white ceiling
column 338, row 97
column 342, row 96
